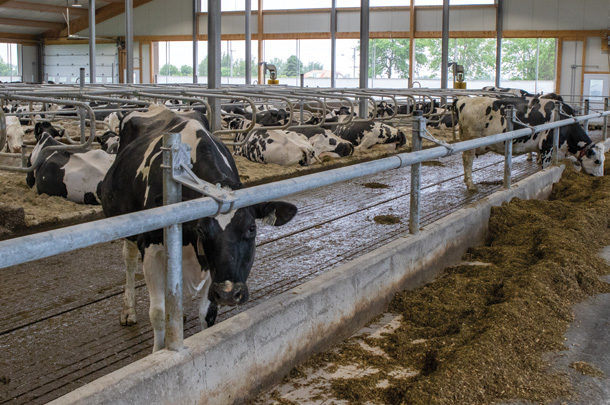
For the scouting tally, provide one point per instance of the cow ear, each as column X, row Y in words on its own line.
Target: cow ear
column 275, row 213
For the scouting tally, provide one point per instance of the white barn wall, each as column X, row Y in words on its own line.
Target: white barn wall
column 29, row 63
column 556, row 14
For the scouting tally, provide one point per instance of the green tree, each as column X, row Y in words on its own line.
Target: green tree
column 293, row 66
column 6, row 69
column 477, row 55
column 186, row 70
column 169, row 70
column 519, row 58
column 203, row 67
column 389, row 57
column 312, row 66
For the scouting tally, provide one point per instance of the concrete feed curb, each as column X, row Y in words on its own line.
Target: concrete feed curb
column 246, row 353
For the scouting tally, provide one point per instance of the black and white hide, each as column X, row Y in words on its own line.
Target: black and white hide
column 217, row 252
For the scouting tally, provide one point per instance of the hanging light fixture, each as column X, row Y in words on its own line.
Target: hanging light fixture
column 76, row 4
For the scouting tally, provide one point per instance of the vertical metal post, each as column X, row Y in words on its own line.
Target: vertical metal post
column 248, row 31
column 587, row 109
column 364, row 54
column 92, row 62
column 172, row 237
column 445, row 45
column 333, row 43
column 511, row 115
column 129, row 41
column 555, row 151
column 214, row 59
column 81, row 111
column 195, row 41
column 499, row 33
column 605, row 128
column 419, row 126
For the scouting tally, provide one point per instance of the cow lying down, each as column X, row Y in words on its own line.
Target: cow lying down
column 484, row 116
column 75, row 176
column 218, row 251
column 289, row 147
column 365, row 135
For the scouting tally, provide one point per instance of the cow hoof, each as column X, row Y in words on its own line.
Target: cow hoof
column 472, row 188
column 128, row 317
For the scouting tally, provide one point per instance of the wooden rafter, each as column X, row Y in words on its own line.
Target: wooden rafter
column 17, row 38
column 101, row 14
column 45, row 8
column 20, row 22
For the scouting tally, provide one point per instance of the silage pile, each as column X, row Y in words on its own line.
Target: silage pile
column 478, row 334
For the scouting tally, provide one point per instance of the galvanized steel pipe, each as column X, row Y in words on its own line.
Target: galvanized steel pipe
column 419, row 126
column 129, row 40
column 92, row 62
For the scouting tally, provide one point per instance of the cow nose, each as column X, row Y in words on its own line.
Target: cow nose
column 597, row 162
column 229, row 293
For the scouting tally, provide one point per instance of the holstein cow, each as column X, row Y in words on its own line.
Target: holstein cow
column 218, row 252
column 279, row 146
column 483, row 116
column 75, row 176
column 325, row 143
column 45, row 126
column 508, row 91
column 365, row 135
column 14, row 134
column 109, row 142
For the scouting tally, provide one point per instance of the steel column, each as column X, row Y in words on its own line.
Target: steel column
column 499, row 33
column 587, row 108
column 511, row 115
column 214, row 59
column 333, row 43
column 419, row 126
column 81, row 111
column 92, row 73
column 445, row 45
column 172, row 238
column 605, row 122
column 248, row 31
column 129, row 41
column 195, row 41
column 364, row 54
column 555, row 151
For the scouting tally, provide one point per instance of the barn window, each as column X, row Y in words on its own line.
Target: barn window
column 529, row 63
column 10, row 63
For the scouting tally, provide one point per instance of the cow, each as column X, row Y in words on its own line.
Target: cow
column 109, row 142
column 46, row 126
column 113, row 120
column 278, row 146
column 218, row 251
column 14, row 134
column 75, row 176
column 325, row 143
column 483, row 116
column 364, row 135
column 508, row 91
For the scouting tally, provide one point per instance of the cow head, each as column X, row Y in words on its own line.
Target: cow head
column 228, row 241
column 45, row 126
column 384, row 109
column 109, row 142
column 592, row 158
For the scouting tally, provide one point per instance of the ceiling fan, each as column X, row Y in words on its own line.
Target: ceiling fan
column 66, row 15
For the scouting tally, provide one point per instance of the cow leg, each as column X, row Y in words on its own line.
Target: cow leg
column 207, row 309
column 467, row 159
column 153, row 266
column 530, row 156
column 130, row 256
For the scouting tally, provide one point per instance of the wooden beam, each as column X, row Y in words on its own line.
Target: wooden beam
column 20, row 22
column 3, row 1
column 101, row 14
column 43, row 8
column 18, row 38
column 558, row 57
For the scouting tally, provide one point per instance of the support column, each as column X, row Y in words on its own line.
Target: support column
column 92, row 62
column 129, row 41
column 411, row 41
column 260, row 41
column 499, row 30
column 214, row 59
column 364, row 54
column 248, row 32
column 445, row 45
column 195, row 40
column 333, row 43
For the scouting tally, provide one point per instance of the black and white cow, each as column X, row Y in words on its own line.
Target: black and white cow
column 508, row 91
column 75, row 176
column 483, row 116
column 283, row 147
column 45, row 126
column 325, row 143
column 365, row 135
column 113, row 121
column 109, row 142
column 218, row 252
column 14, row 134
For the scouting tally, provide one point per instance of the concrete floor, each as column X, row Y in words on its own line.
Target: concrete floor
column 60, row 325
